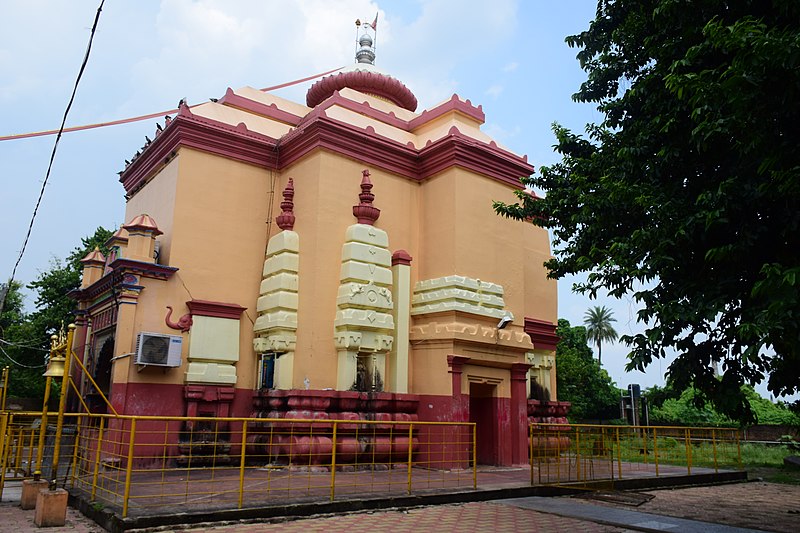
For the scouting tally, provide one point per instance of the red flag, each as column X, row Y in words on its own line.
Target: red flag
column 374, row 24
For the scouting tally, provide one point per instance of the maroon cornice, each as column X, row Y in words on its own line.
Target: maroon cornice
column 454, row 104
column 542, row 333
column 270, row 111
column 119, row 268
column 459, row 150
column 215, row 309
column 363, row 108
column 360, row 144
column 148, row 270
column 201, row 133
column 367, row 147
column 318, row 131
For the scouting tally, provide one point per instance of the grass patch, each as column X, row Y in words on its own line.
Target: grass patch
column 784, row 475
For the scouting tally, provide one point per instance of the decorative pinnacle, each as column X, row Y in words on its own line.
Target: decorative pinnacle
column 365, row 212
column 286, row 219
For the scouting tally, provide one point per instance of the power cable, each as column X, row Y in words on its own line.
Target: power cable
column 18, row 363
column 149, row 115
column 26, row 346
column 52, row 157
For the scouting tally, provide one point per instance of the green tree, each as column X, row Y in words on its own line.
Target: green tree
column 687, row 193
column 688, row 409
column 579, row 378
column 599, row 329
column 20, row 348
column 25, row 337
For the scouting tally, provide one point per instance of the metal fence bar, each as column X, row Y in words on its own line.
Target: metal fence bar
column 586, row 454
column 242, row 458
column 333, row 461
column 129, row 468
column 98, row 444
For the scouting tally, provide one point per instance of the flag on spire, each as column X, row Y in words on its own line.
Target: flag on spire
column 374, row 24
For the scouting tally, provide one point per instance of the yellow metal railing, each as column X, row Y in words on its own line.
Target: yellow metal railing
column 581, row 454
column 134, row 464
column 27, row 445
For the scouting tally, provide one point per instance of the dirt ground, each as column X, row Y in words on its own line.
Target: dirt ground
column 756, row 505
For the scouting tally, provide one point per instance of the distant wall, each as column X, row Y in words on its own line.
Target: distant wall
column 766, row 432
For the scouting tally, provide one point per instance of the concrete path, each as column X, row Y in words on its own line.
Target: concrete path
column 639, row 521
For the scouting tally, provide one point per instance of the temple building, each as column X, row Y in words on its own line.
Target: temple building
column 333, row 259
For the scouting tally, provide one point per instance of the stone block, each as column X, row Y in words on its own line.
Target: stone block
column 285, row 241
column 285, row 281
column 211, row 373
column 284, row 262
column 365, row 296
column 30, row 492
column 280, row 319
column 365, row 253
column 277, row 300
column 364, row 272
column 367, row 234
column 51, row 508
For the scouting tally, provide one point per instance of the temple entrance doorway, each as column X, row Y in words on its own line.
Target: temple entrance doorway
column 483, row 412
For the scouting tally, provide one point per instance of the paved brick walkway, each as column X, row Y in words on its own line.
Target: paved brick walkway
column 757, row 505
column 469, row 517
column 13, row 519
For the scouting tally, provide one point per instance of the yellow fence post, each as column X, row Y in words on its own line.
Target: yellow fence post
column 410, row 453
column 619, row 457
column 474, row 455
column 4, row 419
column 688, row 452
column 43, row 425
column 18, row 456
column 128, row 469
column 97, row 457
column 738, row 450
column 62, row 399
column 242, row 459
column 75, row 449
column 333, row 461
column 714, row 446
column 578, row 454
column 655, row 448
column 530, row 450
column 31, row 448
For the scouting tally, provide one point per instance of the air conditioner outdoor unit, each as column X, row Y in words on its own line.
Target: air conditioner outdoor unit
column 157, row 349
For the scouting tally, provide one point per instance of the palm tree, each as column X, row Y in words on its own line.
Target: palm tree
column 599, row 329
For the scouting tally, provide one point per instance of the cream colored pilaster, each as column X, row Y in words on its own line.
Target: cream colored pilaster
column 401, row 271
column 276, row 325
column 364, row 325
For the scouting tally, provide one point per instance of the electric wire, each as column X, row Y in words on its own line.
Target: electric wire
column 26, row 346
column 139, row 118
column 23, row 365
column 53, row 154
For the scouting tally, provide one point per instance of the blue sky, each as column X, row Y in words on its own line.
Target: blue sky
column 509, row 56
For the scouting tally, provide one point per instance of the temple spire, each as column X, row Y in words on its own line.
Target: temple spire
column 286, row 219
column 365, row 212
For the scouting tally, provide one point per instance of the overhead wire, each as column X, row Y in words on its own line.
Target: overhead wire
column 139, row 118
column 4, row 289
column 52, row 155
column 23, row 365
column 26, row 346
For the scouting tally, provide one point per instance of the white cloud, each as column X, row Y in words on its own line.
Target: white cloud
column 494, row 90
column 500, row 134
column 511, row 67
